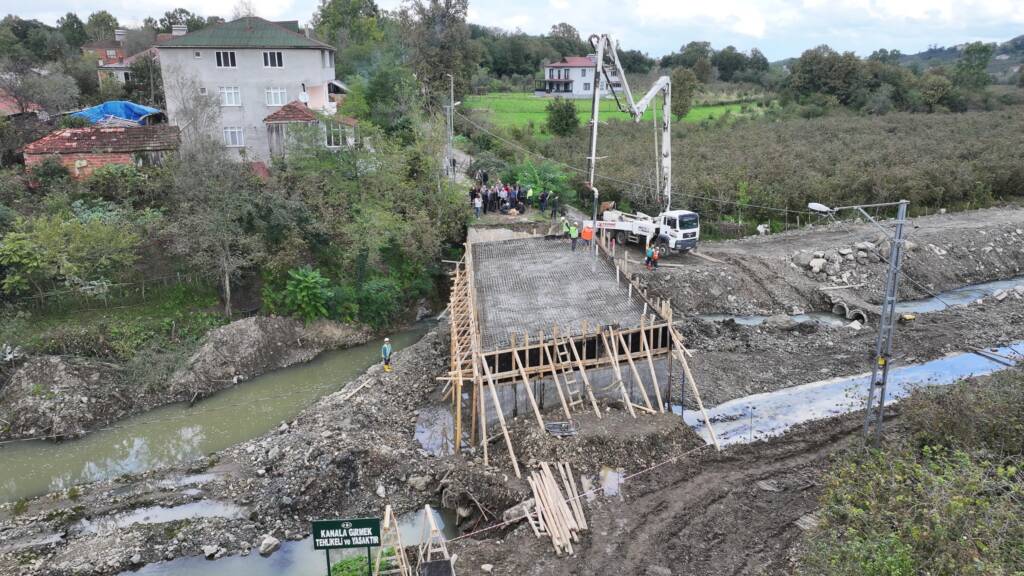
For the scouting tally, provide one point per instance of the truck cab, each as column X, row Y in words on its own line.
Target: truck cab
column 678, row 230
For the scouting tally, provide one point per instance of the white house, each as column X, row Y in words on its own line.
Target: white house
column 254, row 68
column 573, row 77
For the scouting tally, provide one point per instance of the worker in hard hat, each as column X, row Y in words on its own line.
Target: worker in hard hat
column 385, row 353
column 574, row 233
column 565, row 227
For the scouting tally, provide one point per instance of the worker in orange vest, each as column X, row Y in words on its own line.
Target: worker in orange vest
column 587, row 235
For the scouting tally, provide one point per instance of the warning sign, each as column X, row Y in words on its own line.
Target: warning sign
column 351, row 533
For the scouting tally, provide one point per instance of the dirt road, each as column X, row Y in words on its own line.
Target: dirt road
column 734, row 512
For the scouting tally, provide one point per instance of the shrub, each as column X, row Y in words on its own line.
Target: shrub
column 379, row 301
column 562, row 118
column 116, row 181
column 307, row 293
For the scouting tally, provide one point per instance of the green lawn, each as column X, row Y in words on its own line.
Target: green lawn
column 512, row 109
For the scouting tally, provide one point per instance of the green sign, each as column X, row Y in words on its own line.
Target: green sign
column 350, row 533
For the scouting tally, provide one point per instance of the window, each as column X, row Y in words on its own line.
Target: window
column 202, row 90
column 127, row 77
column 586, row 87
column 111, row 54
column 230, row 96
column 551, row 73
column 197, row 54
column 225, row 59
column 276, row 96
column 583, row 72
column 335, row 135
column 234, row 137
column 272, row 60
column 330, row 59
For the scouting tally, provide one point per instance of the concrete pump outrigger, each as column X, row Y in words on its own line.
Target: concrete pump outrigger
column 676, row 230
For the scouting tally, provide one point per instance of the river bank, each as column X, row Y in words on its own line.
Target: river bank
column 67, row 397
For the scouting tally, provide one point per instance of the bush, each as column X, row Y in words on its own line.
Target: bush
column 379, row 301
column 116, row 181
column 562, row 118
column 306, row 294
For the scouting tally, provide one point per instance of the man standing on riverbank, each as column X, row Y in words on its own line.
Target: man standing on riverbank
column 385, row 353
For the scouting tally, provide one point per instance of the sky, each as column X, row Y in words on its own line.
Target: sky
column 779, row 28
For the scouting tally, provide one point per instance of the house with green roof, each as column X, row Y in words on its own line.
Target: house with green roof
column 252, row 67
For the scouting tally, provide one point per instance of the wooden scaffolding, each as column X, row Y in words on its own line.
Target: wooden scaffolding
column 568, row 361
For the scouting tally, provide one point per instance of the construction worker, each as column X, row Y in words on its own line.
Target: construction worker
column 385, row 353
column 574, row 233
column 649, row 257
column 587, row 235
column 565, row 227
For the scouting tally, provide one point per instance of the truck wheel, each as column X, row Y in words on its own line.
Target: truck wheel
column 663, row 246
column 620, row 238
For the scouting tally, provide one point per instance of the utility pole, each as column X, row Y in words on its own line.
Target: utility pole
column 883, row 347
column 450, row 156
column 887, row 318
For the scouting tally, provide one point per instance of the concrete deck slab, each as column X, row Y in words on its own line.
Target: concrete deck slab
column 531, row 285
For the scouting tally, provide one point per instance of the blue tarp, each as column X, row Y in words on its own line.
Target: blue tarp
column 122, row 109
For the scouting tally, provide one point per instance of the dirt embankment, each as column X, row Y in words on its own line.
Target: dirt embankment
column 60, row 397
column 731, row 360
column 785, row 273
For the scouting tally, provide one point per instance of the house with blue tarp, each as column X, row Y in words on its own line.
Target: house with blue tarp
column 121, row 113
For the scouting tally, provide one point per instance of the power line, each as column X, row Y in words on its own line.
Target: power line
column 637, row 185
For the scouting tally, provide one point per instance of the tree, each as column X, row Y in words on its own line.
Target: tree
column 73, row 29
column 346, row 22
column 138, row 40
column 684, row 84
column 216, row 205
column 729, row 61
column 702, row 69
column 971, row 70
column 439, row 37
column 934, row 90
column 635, row 62
column 196, row 112
column 562, row 117
column 564, row 38
column 758, row 62
column 52, row 91
column 101, row 25
column 145, row 83
column 885, row 56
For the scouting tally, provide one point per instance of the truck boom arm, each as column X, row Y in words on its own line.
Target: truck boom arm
column 605, row 43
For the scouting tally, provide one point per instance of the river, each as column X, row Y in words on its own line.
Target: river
column 177, row 433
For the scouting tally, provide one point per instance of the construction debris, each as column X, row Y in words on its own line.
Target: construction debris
column 557, row 514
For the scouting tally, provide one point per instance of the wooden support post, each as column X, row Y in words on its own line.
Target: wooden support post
column 636, row 373
column 457, row 390
column 586, row 380
column 501, row 420
column 679, row 351
column 529, row 390
column 618, row 374
column 650, row 365
column 554, row 376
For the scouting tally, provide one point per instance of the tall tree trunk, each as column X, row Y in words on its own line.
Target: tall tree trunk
column 227, row 292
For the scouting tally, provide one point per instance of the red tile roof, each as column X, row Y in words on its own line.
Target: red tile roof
column 293, row 111
column 96, row 139
column 573, row 62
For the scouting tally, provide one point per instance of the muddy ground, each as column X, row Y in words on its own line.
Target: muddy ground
column 773, row 274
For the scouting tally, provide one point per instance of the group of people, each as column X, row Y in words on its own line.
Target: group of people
column 503, row 198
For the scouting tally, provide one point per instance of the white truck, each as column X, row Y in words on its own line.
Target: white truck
column 675, row 230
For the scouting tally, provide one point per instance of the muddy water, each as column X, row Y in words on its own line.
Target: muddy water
column 178, row 433
column 295, row 558
column 771, row 414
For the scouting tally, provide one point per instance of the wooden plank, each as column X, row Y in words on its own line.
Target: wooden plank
column 574, row 504
column 618, row 373
column 693, row 387
column 457, row 390
column 636, row 374
column 529, row 391
column 650, row 366
column 576, row 494
column 586, row 380
column 501, row 420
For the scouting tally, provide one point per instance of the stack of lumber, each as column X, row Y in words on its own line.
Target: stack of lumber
column 558, row 511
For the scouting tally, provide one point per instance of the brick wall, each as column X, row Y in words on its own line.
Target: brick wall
column 82, row 164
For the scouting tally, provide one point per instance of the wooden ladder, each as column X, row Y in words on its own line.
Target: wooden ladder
column 565, row 361
column 397, row 563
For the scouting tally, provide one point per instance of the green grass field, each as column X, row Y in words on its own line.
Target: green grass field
column 518, row 110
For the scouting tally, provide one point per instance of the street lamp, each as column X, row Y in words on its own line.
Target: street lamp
column 887, row 322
